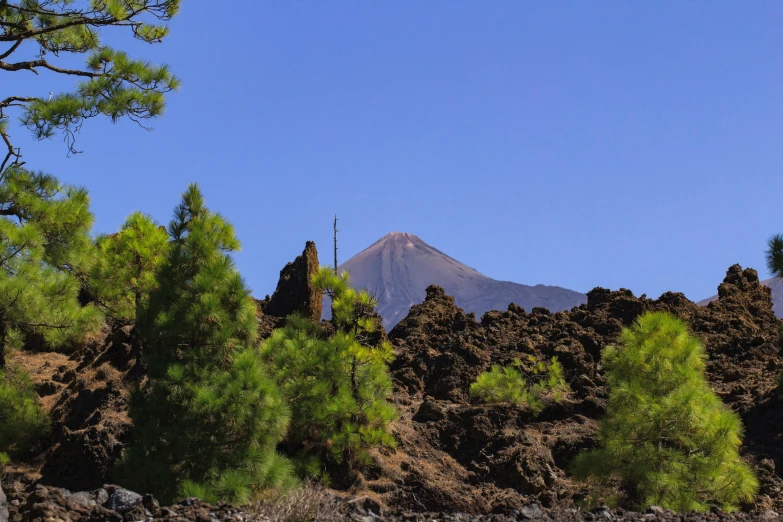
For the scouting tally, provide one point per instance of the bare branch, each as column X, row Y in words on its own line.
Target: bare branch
column 32, row 64
column 10, row 211
column 45, row 325
column 9, row 155
column 12, row 49
column 11, row 99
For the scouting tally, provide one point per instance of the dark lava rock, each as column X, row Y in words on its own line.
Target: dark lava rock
column 503, row 448
column 90, row 420
column 46, row 388
column 295, row 291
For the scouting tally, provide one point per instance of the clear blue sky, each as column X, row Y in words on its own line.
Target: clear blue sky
column 579, row 144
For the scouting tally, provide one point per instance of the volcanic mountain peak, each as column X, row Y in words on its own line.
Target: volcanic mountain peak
column 400, row 266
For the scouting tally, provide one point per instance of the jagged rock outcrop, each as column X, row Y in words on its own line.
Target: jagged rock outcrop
column 88, row 396
column 509, row 457
column 775, row 284
column 295, row 291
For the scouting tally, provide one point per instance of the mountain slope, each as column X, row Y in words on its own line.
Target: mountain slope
column 775, row 284
column 400, row 266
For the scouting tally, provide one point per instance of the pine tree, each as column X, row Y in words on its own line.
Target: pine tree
column 45, row 242
column 44, row 234
column 338, row 385
column 666, row 434
column 774, row 255
column 123, row 276
column 24, row 420
column 520, row 385
column 112, row 84
column 210, row 421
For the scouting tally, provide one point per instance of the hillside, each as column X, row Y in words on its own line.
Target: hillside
column 452, row 455
column 400, row 266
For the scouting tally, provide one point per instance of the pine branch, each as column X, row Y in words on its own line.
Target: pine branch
column 32, row 64
column 82, row 18
column 32, row 33
column 46, row 325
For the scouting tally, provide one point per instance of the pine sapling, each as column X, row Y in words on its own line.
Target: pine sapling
column 666, row 434
column 524, row 387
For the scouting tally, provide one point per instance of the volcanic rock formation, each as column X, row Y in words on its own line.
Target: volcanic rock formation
column 295, row 292
column 455, row 454
column 775, row 284
column 399, row 267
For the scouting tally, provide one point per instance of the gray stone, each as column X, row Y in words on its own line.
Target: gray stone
column 532, row 512
column 101, row 496
column 3, row 506
column 123, row 500
column 83, row 498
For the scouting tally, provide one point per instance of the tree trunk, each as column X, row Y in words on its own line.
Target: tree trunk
column 354, row 383
column 335, row 244
column 2, row 343
column 137, row 304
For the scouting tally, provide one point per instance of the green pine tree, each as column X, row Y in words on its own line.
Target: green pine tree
column 124, row 274
column 774, row 255
column 45, row 242
column 209, row 423
column 520, row 385
column 23, row 419
column 44, row 234
column 111, row 83
column 338, row 385
column 666, row 434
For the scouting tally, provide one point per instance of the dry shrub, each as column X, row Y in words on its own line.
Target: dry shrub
column 309, row 503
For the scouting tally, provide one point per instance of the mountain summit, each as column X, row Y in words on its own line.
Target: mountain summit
column 400, row 266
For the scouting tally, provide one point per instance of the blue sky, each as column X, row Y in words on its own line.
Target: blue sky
column 579, row 144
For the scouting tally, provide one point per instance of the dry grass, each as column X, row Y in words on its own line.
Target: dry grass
column 41, row 366
column 306, row 504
